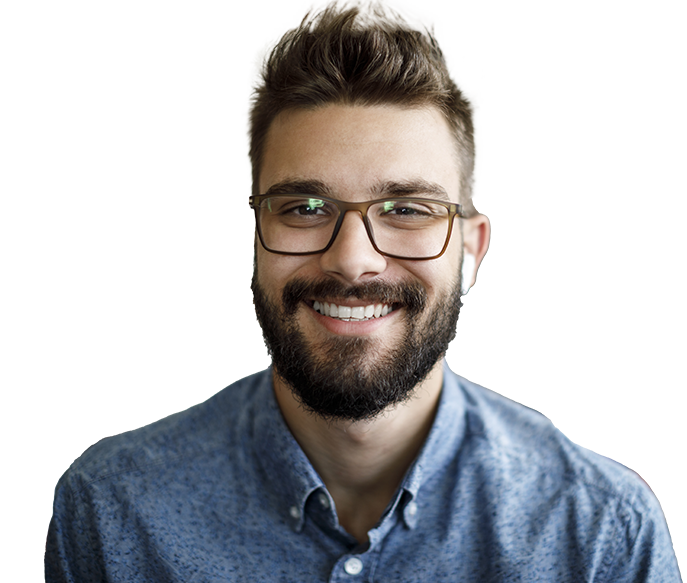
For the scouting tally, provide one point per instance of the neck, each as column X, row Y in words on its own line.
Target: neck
column 362, row 463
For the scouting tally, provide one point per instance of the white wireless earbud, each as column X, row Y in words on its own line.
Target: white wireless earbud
column 466, row 272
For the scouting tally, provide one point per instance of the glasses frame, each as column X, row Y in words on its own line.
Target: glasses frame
column 454, row 210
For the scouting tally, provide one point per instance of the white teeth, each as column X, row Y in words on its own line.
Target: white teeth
column 351, row 313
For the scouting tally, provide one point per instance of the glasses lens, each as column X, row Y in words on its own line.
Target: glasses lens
column 409, row 228
column 297, row 224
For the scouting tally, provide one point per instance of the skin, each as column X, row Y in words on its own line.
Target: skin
column 354, row 150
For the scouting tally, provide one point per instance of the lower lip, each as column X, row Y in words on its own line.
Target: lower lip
column 352, row 327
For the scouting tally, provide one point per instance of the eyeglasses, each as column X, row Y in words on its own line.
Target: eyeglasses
column 403, row 228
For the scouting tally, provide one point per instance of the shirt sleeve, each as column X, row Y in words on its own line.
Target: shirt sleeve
column 644, row 553
column 70, row 553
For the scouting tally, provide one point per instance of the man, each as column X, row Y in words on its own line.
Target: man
column 358, row 455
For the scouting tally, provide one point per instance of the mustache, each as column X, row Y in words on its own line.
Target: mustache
column 410, row 295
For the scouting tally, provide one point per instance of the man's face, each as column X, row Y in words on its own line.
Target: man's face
column 355, row 369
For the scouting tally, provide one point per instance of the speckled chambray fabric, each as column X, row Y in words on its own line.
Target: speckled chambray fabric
column 222, row 492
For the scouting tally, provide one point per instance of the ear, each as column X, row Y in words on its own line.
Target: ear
column 476, row 236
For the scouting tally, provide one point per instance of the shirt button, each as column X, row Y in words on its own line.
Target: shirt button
column 353, row 566
column 412, row 508
column 324, row 501
column 294, row 512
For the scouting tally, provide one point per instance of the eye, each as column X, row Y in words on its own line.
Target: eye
column 303, row 206
column 312, row 207
column 299, row 212
column 405, row 208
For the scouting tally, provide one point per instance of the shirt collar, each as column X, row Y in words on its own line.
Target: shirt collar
column 441, row 445
column 290, row 475
column 287, row 470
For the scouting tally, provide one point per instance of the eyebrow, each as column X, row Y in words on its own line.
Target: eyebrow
column 389, row 188
column 316, row 187
column 412, row 188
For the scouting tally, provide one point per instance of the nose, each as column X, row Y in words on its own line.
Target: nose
column 352, row 256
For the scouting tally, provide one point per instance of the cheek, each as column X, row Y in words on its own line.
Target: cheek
column 434, row 275
column 438, row 275
column 266, row 270
column 275, row 271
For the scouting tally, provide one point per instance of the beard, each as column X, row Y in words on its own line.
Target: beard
column 344, row 378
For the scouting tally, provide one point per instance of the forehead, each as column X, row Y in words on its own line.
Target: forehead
column 356, row 149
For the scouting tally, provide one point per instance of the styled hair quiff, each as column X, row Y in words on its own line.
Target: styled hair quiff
column 350, row 57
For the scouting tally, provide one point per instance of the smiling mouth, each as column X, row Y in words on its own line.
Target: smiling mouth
column 352, row 313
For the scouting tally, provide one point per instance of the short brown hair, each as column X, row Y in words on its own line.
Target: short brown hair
column 347, row 56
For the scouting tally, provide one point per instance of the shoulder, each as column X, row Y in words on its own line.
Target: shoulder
column 524, row 448
column 215, row 424
column 536, row 480
column 155, row 479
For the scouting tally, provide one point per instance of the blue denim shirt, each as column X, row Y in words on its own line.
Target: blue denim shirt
column 222, row 492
